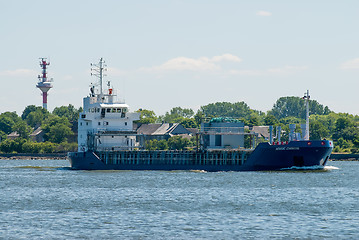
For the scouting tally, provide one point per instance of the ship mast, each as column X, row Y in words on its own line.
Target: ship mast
column 306, row 98
column 97, row 71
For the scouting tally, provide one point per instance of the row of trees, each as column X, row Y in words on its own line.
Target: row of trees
column 59, row 130
column 342, row 128
column 60, row 126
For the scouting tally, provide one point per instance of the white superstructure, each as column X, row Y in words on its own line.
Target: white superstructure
column 105, row 124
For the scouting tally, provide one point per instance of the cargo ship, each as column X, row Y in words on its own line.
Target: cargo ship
column 107, row 140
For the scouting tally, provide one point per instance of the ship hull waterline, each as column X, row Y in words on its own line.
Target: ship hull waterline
column 302, row 154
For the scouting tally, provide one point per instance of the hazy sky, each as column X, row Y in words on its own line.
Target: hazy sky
column 163, row 54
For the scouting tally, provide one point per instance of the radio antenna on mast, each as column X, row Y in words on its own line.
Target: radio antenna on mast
column 97, row 71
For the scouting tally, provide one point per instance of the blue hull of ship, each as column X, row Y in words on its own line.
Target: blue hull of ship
column 264, row 157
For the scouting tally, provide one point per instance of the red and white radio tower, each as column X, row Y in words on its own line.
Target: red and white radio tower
column 44, row 83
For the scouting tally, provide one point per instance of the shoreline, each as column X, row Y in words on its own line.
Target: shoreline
column 63, row 156
column 33, row 156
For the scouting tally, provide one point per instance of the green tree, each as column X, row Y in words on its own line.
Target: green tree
column 291, row 120
column 7, row 146
column 2, row 135
column 177, row 115
column 295, row 107
column 317, row 130
column 343, row 123
column 66, row 147
column 189, row 123
column 198, row 117
column 270, row 120
column 8, row 121
column 343, row 145
column 255, row 120
column 59, row 133
column 22, row 129
column 31, row 147
column 183, row 112
column 178, row 143
column 35, row 118
column 48, row 147
column 328, row 121
column 32, row 108
column 227, row 109
column 147, row 116
column 156, row 145
column 69, row 112
column 6, row 124
column 56, row 129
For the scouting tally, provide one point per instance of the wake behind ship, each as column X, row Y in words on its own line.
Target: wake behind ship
column 107, row 141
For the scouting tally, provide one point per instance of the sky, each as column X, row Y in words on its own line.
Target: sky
column 187, row 53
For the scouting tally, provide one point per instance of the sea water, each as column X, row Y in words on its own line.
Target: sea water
column 44, row 199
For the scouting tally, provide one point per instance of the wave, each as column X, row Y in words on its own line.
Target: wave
column 198, row 171
column 306, row 168
column 311, row 168
column 331, row 168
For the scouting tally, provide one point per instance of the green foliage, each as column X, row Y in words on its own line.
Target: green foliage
column 189, row 123
column 327, row 120
column 58, row 133
column 48, row 147
column 22, row 129
column 291, row 120
column 66, row 147
column 69, row 112
column 7, row 146
column 12, row 115
column 21, row 145
column 12, row 146
column 178, row 143
column 147, row 116
column 182, row 112
column 343, row 145
column 295, row 107
column 317, row 130
column 173, row 143
column 177, row 115
column 31, row 147
column 6, row 124
column 2, row 135
column 270, row 120
column 34, row 116
column 8, row 121
column 343, row 123
column 198, row 117
column 56, row 129
column 156, row 145
column 255, row 120
column 226, row 109
column 341, row 127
